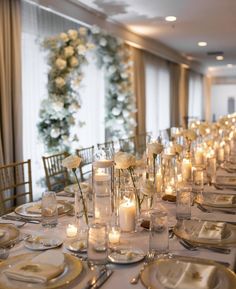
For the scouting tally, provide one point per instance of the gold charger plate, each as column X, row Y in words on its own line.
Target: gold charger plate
column 152, row 274
column 189, row 229
column 226, row 181
column 11, row 234
column 22, row 210
column 210, row 200
column 73, row 268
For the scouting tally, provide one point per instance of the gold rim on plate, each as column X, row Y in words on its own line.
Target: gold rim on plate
column 11, row 234
column 225, row 278
column 22, row 209
column 73, row 268
column 189, row 229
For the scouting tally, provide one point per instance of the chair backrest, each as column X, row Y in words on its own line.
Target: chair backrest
column 15, row 185
column 107, row 145
column 57, row 176
column 128, row 144
column 86, row 155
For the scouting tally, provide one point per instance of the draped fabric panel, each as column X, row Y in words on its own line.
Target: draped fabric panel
column 10, row 82
column 183, row 95
column 175, row 119
column 139, row 89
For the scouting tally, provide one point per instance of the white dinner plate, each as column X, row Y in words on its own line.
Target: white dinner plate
column 76, row 245
column 40, row 242
column 126, row 255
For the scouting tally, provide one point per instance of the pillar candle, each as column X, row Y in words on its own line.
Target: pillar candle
column 220, row 154
column 198, row 156
column 158, row 182
column 71, row 231
column 186, row 170
column 127, row 215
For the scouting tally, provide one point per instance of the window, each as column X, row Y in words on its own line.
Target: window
column 195, row 105
column 157, row 79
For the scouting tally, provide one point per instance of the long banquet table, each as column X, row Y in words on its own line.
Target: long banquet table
column 123, row 273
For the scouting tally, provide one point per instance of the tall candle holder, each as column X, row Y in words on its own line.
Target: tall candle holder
column 103, row 188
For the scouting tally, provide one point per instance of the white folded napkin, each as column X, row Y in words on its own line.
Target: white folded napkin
column 40, row 269
column 2, row 233
column 212, row 230
column 225, row 200
column 37, row 208
column 185, row 275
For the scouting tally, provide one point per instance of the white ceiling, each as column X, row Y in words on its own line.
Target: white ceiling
column 213, row 21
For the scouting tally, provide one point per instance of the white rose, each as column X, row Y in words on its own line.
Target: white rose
column 178, row 148
column 74, row 62
column 81, row 49
column 190, row 134
column 60, row 82
column 71, row 162
column 90, row 45
column 124, row 160
column 147, row 188
column 103, row 42
column 83, row 31
column 60, row 63
column 64, row 37
column 73, row 34
column 68, row 51
column 154, row 148
column 95, row 29
column 55, row 132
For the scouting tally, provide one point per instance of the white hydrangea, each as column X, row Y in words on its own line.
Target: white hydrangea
column 55, row 132
column 58, row 105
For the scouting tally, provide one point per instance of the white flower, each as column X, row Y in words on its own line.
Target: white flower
column 107, row 59
column 103, row 42
column 124, row 160
column 64, row 37
column 73, row 34
column 73, row 107
column 95, row 29
column 116, row 111
column 58, row 105
column 178, row 148
column 121, row 97
column 74, row 61
column 124, row 75
column 90, row 45
column 60, row 82
column 81, row 49
column 154, row 148
column 111, row 69
column 189, row 134
column 83, row 31
column 55, row 132
column 68, row 51
column 60, row 63
column 71, row 162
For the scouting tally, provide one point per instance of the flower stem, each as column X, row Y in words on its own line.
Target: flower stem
column 82, row 197
column 136, row 193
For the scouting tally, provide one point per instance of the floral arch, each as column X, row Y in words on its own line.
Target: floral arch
column 59, row 120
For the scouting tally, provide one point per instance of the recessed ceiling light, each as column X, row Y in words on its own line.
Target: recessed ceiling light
column 170, row 18
column 202, row 43
column 219, row 57
column 229, row 65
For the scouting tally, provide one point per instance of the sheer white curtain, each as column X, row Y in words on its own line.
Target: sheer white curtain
column 36, row 25
column 157, row 79
column 195, row 103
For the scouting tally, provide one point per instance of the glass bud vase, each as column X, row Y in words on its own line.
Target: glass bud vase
column 103, row 188
column 169, row 177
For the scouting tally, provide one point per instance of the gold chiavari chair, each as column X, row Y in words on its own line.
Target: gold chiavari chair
column 15, row 185
column 128, row 144
column 107, row 145
column 86, row 154
column 57, row 176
